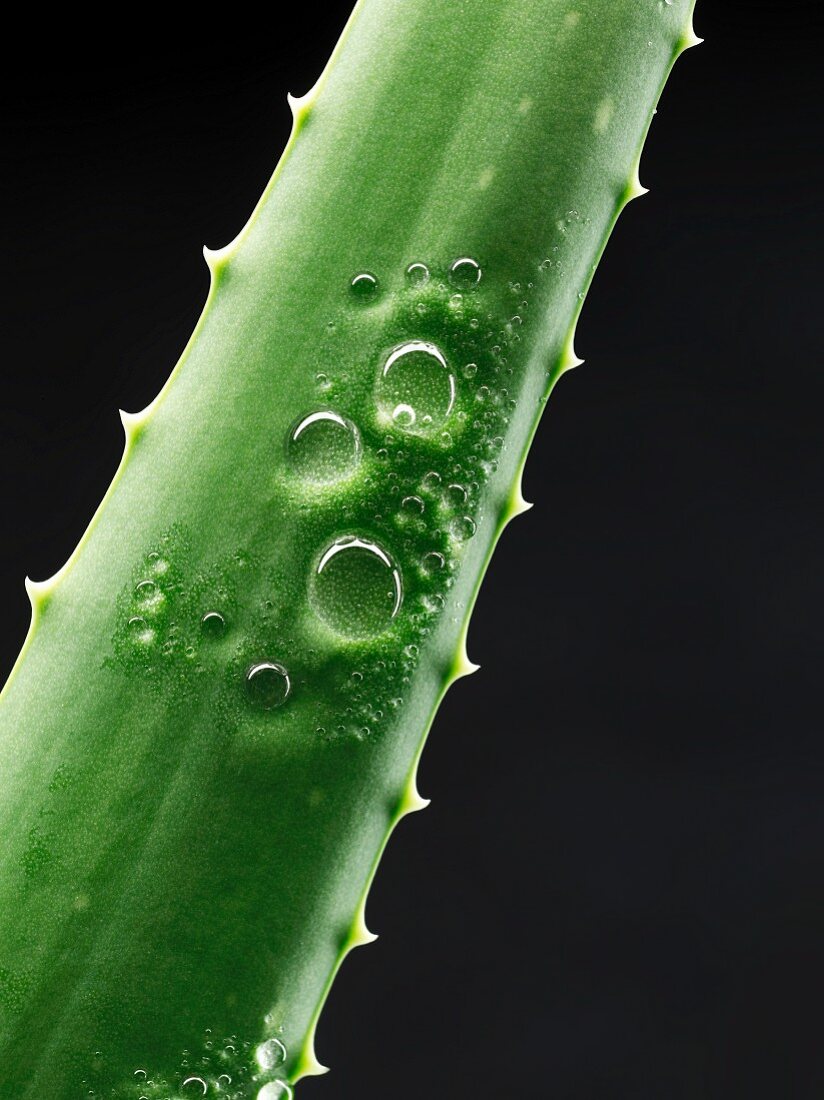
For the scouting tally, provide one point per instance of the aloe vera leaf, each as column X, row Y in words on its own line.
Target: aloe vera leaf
column 186, row 853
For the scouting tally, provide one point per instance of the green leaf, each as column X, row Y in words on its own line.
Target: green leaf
column 215, row 722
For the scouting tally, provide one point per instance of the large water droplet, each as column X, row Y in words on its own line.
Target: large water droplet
column 324, row 447
column 356, row 589
column 195, row 1086
column 270, row 1054
column 416, row 388
column 268, row 684
column 275, row 1090
column 465, row 273
column 364, row 286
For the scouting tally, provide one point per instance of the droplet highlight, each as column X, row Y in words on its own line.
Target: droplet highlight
column 364, row 286
column 416, row 388
column 356, row 589
column 268, row 684
column 324, row 447
column 417, row 274
column 213, row 625
column 465, row 273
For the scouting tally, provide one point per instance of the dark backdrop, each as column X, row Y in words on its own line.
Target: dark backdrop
column 619, row 889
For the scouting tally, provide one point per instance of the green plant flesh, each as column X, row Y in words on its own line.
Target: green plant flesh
column 215, row 722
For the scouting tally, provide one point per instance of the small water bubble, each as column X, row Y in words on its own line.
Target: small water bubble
column 268, row 684
column 270, row 1054
column 482, row 394
column 416, row 388
column 356, row 588
column 414, row 505
column 465, row 273
column 431, row 481
column 433, row 603
column 470, row 370
column 433, row 562
column 213, row 625
column 411, row 651
column 224, row 1081
column 445, row 439
column 324, row 447
column 421, row 308
column 456, row 494
column 417, row 274
column 463, row 528
column 403, row 416
column 195, row 1086
column 322, row 381
column 364, row 286
column 456, row 301
column 140, row 630
column 146, row 591
column 275, row 1090
column 140, row 1074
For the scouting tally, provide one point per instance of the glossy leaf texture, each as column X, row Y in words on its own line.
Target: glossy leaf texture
column 215, row 723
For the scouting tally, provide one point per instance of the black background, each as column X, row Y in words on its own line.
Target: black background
column 618, row 891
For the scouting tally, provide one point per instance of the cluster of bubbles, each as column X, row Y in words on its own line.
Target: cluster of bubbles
column 444, row 377
column 227, row 1070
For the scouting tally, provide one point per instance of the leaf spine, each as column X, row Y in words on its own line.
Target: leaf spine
column 308, row 1064
column 218, row 258
column 359, row 934
column 569, row 359
column 635, row 189
column 689, row 38
column 411, row 801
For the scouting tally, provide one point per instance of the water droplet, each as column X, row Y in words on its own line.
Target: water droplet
column 433, row 562
column 324, row 447
column 275, row 1090
column 213, row 625
column 417, row 274
column 195, row 1086
column 356, row 589
column 403, row 416
column 456, row 494
column 470, row 370
column 456, row 301
column 413, row 504
column 411, row 651
column 322, row 381
column 416, row 388
column 433, row 603
column 463, row 528
column 268, row 684
column 364, row 286
column 224, row 1081
column 431, row 482
column 146, row 591
column 140, row 1073
column 140, row 630
column 270, row 1054
column 465, row 273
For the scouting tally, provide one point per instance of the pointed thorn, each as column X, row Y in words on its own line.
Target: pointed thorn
column 217, row 258
column 690, row 38
column 463, row 666
column 412, row 800
column 309, row 1066
column 569, row 359
column 360, row 935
